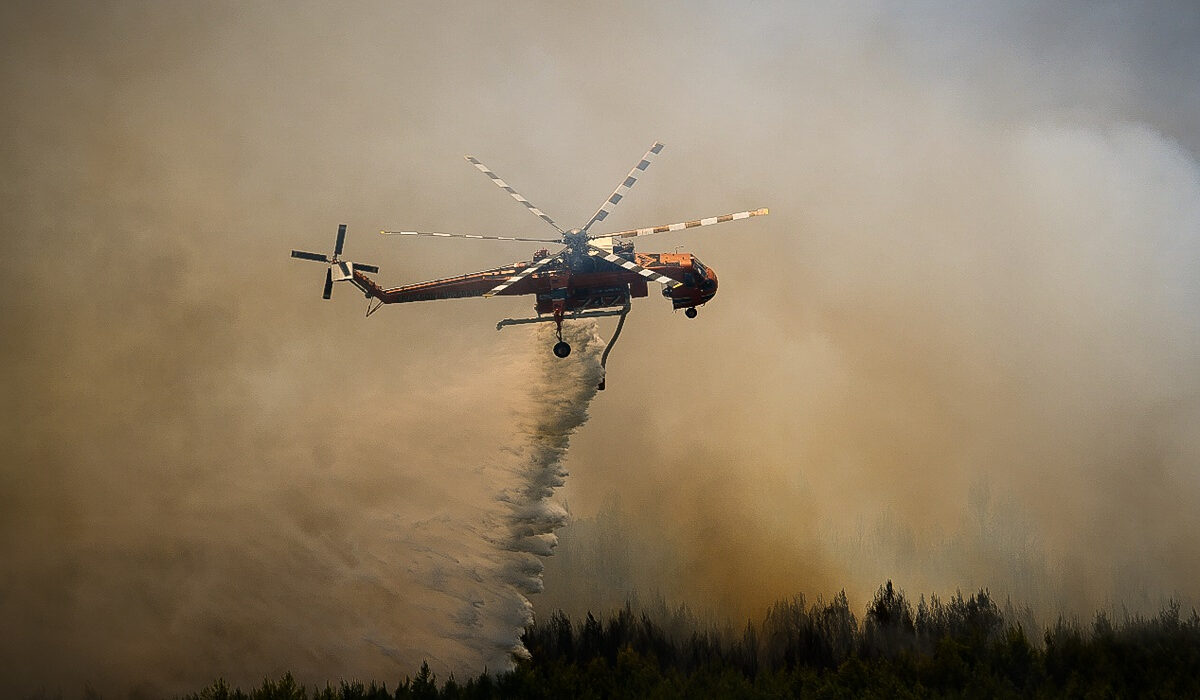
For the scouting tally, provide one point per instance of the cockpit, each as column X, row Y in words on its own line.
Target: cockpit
column 701, row 286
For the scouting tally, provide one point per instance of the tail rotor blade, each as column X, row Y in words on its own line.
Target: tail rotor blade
column 341, row 240
column 328, row 283
column 304, row 255
column 619, row 193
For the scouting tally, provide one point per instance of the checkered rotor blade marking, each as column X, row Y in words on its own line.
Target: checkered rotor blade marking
column 686, row 224
column 633, row 267
column 537, row 265
column 513, row 193
column 434, row 234
column 619, row 193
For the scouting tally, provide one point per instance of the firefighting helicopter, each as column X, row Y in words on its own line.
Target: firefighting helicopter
column 591, row 276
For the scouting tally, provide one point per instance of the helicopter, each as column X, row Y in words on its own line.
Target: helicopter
column 591, row 276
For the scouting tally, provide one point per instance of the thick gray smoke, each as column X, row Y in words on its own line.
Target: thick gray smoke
column 961, row 351
column 341, row 564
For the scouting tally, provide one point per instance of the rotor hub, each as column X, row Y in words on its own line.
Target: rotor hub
column 576, row 239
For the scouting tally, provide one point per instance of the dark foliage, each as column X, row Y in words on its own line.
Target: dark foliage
column 965, row 647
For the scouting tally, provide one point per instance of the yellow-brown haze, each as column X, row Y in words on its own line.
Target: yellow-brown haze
column 978, row 277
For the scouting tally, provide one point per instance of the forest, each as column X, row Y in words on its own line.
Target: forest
column 959, row 647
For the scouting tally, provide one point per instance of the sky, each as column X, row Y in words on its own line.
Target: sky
column 961, row 351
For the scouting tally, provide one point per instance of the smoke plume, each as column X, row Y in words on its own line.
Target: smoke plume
column 960, row 352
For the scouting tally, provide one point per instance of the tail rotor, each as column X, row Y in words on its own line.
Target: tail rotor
column 338, row 270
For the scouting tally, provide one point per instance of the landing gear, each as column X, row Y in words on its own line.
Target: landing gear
column 691, row 312
column 562, row 348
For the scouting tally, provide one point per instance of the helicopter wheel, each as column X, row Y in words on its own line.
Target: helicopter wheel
column 691, row 312
column 562, row 349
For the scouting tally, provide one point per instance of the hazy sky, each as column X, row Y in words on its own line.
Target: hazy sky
column 962, row 350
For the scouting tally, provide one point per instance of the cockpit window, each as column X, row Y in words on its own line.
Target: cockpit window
column 699, row 268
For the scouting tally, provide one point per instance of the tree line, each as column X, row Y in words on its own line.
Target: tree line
column 959, row 647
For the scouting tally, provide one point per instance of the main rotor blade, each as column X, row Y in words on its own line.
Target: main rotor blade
column 328, row 283
column 341, row 240
column 303, row 255
column 633, row 267
column 469, row 235
column 683, row 224
column 537, row 265
column 515, row 195
column 630, row 179
column 362, row 267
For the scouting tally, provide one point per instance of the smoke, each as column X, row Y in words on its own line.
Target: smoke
column 438, row 567
column 960, row 351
